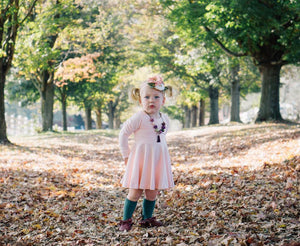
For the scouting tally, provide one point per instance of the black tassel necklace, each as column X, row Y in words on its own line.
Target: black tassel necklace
column 155, row 127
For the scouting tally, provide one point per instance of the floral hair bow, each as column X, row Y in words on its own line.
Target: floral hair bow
column 157, row 83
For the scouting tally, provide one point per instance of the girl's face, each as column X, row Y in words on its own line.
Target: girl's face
column 151, row 100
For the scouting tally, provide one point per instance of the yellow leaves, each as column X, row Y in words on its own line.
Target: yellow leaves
column 37, row 226
column 25, row 231
column 72, row 194
column 276, row 211
column 52, row 188
column 52, row 214
column 46, row 220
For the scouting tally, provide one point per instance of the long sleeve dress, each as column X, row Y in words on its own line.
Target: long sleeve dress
column 149, row 163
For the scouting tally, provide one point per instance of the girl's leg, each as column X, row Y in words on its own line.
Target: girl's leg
column 149, row 203
column 134, row 194
column 129, row 207
column 131, row 202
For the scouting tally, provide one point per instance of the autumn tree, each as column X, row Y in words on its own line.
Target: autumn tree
column 37, row 53
column 13, row 15
column 268, row 31
column 75, row 70
column 108, row 35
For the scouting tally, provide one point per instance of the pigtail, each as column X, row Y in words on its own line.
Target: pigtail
column 135, row 94
column 169, row 91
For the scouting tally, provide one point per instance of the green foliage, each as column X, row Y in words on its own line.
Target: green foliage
column 36, row 51
column 174, row 112
column 103, row 37
column 130, row 34
column 23, row 92
column 247, row 74
column 249, row 77
column 266, row 30
column 96, row 29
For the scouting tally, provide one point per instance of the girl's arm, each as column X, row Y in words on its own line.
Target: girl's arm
column 167, row 120
column 129, row 127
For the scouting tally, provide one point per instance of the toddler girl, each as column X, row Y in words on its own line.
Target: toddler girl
column 148, row 164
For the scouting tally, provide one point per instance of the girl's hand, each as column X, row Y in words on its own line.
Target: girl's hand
column 126, row 160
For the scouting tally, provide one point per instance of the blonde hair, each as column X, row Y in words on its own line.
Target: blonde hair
column 135, row 93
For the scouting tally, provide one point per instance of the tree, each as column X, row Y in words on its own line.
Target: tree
column 37, row 53
column 107, row 35
column 235, row 92
column 240, row 78
column 12, row 16
column 75, row 70
column 171, row 51
column 266, row 30
column 204, row 68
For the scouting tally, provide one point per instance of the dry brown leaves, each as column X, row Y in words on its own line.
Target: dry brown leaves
column 235, row 185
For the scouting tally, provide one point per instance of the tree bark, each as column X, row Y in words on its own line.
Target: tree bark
column 187, row 117
column 214, row 105
column 235, row 94
column 194, row 117
column 202, row 112
column 3, row 134
column 64, row 108
column 47, row 84
column 269, row 109
column 117, row 121
column 8, row 36
column 88, row 118
column 9, row 26
column 47, row 99
column 111, row 115
column 99, row 117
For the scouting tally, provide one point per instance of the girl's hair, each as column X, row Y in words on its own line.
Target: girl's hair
column 136, row 93
column 169, row 91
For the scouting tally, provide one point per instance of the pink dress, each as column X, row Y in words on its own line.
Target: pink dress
column 149, row 163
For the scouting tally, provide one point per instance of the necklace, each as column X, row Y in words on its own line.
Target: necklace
column 155, row 127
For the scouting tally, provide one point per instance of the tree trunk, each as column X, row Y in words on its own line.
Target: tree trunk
column 269, row 102
column 117, row 121
column 64, row 108
column 9, row 26
column 202, row 112
column 235, row 94
column 187, row 117
column 194, row 115
column 88, row 118
column 99, row 117
column 111, row 115
column 47, row 99
column 3, row 136
column 214, row 105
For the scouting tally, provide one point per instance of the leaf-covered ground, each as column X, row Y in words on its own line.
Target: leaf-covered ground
column 235, row 185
